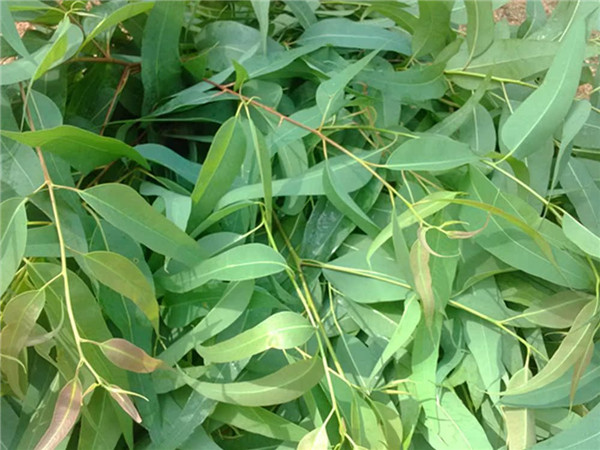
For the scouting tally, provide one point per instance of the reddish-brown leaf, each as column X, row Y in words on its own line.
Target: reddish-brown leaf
column 127, row 356
column 125, row 403
column 66, row 412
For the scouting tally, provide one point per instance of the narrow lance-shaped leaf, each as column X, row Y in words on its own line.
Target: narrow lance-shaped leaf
column 13, row 238
column 240, row 263
column 66, row 412
column 480, row 26
column 431, row 153
column 541, row 113
column 345, row 204
column 263, row 157
column 285, row 385
column 124, row 402
column 130, row 357
column 282, row 330
column 582, row 237
column 571, row 350
column 120, row 15
column 125, row 209
column 419, row 263
column 330, row 93
column 161, row 66
column 220, row 168
column 121, row 275
column 232, row 304
column 433, row 27
column 83, row 149
column 520, row 422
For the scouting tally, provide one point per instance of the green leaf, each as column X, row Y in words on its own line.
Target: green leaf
column 581, row 436
column 19, row 316
column 62, row 45
column 348, row 171
column 285, row 385
column 420, row 210
column 83, row 149
column 412, row 85
column 166, row 157
column 315, row 440
column 542, row 112
column 431, row 153
column 221, row 167
column 582, row 191
column 520, row 422
column 346, row 33
column 44, row 112
column 480, row 26
column 99, row 424
column 261, row 9
column 120, row 15
column 345, row 204
column 123, row 208
column 421, row 272
column 281, row 331
column 240, row 263
column 583, row 238
column 259, row 421
column 9, row 31
column 263, row 157
column 509, row 235
column 330, row 93
column 161, row 66
column 121, row 275
column 364, row 280
column 432, row 30
column 178, row 207
column 572, row 347
column 302, row 11
column 13, row 238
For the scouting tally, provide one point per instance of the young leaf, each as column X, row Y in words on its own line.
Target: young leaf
column 66, row 412
column 122, row 207
column 240, row 263
column 285, row 385
column 83, row 149
column 282, row 330
column 127, row 356
column 125, row 403
column 542, row 112
column 13, row 238
column 121, row 275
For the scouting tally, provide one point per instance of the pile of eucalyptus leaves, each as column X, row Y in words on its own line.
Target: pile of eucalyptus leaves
column 299, row 224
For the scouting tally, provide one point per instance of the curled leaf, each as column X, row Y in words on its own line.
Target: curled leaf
column 127, row 356
column 124, row 402
column 66, row 412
